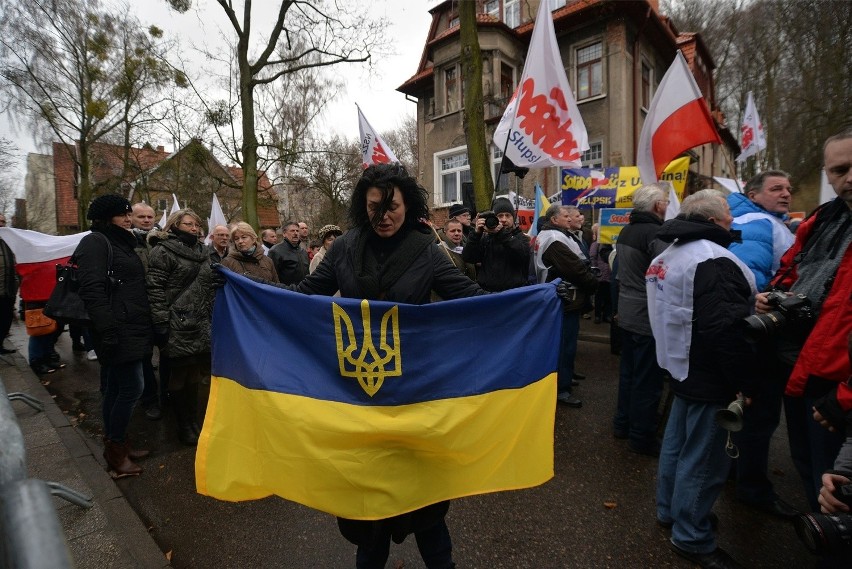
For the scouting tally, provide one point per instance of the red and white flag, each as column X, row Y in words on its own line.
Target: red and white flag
column 677, row 121
column 752, row 138
column 36, row 257
column 374, row 150
column 542, row 123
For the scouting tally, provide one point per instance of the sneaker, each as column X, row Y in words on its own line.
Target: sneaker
column 78, row 347
column 154, row 412
column 91, row 355
column 41, row 368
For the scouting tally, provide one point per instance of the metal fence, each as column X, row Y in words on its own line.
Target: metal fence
column 31, row 536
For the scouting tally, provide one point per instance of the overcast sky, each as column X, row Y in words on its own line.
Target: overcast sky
column 383, row 106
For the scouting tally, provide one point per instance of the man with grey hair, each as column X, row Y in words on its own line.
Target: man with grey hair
column 560, row 254
column 640, row 382
column 291, row 261
column 698, row 293
column 759, row 216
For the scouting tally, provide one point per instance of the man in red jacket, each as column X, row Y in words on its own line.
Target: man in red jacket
column 818, row 266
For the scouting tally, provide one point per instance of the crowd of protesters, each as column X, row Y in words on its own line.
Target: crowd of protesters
column 723, row 302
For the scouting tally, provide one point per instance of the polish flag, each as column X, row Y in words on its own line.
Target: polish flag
column 752, row 138
column 542, row 126
column 374, row 150
column 677, row 121
column 36, row 257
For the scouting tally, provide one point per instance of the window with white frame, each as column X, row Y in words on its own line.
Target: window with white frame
column 589, row 70
column 593, row 157
column 512, row 13
column 453, row 170
column 492, row 8
column 556, row 4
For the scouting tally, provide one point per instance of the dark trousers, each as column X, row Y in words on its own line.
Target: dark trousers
column 603, row 301
column 434, row 545
column 7, row 308
column 760, row 420
column 150, row 392
column 640, row 385
column 813, row 448
column 122, row 388
column 567, row 350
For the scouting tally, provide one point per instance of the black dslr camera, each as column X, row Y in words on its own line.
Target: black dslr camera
column 796, row 310
column 490, row 218
column 828, row 534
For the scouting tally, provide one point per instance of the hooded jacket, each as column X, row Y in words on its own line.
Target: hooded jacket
column 181, row 293
column 719, row 358
column 119, row 309
column 764, row 238
column 257, row 264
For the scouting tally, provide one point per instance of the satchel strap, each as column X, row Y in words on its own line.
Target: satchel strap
column 73, row 259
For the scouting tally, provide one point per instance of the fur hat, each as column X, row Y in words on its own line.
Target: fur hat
column 503, row 205
column 327, row 230
column 108, row 206
column 457, row 209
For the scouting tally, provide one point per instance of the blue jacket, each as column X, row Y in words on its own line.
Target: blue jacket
column 764, row 240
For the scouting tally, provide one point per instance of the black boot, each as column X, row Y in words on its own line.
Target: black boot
column 186, row 434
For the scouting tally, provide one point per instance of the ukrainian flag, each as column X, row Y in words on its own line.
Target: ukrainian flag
column 369, row 409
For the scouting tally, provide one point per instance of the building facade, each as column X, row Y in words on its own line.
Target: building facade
column 615, row 52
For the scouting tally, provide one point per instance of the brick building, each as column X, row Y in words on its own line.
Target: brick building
column 146, row 174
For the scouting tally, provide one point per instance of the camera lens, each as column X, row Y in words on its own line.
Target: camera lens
column 825, row 534
column 763, row 325
column 491, row 221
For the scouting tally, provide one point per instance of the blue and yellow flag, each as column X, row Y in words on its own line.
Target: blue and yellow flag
column 369, row 409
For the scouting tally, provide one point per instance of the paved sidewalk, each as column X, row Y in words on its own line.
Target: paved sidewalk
column 109, row 535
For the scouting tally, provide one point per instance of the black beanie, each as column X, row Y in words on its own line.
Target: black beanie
column 108, row 206
column 503, row 205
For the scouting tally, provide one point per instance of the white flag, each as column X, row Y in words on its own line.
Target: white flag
column 752, row 138
column 217, row 217
column 374, row 150
column 175, row 206
column 542, row 123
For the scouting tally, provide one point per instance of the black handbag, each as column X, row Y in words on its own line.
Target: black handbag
column 65, row 305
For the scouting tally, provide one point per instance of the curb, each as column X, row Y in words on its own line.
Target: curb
column 110, row 534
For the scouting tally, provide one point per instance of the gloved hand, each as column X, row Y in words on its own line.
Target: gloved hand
column 217, row 278
column 565, row 292
column 161, row 336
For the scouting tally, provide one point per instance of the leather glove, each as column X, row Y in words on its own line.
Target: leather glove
column 830, row 409
column 217, row 278
column 565, row 292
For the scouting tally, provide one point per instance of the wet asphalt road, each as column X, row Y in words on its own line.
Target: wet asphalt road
column 598, row 510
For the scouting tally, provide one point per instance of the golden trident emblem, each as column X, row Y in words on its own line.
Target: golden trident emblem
column 368, row 367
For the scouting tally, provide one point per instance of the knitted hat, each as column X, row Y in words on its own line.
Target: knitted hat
column 108, row 206
column 457, row 209
column 502, row 205
column 327, row 230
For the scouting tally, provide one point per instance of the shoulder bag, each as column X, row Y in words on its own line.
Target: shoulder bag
column 65, row 304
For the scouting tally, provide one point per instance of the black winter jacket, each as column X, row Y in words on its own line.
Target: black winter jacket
column 720, row 359
column 181, row 292
column 504, row 258
column 636, row 249
column 291, row 262
column 120, row 313
column 429, row 269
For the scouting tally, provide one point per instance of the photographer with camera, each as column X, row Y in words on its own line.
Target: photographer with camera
column 559, row 254
column 501, row 249
column 759, row 216
column 812, row 323
column 698, row 293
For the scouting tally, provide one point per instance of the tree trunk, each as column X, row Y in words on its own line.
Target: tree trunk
column 478, row 154
column 84, row 189
column 249, row 147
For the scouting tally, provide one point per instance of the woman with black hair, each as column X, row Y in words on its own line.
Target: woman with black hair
column 112, row 286
column 390, row 254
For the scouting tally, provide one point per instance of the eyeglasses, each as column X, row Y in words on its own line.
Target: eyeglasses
column 189, row 224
